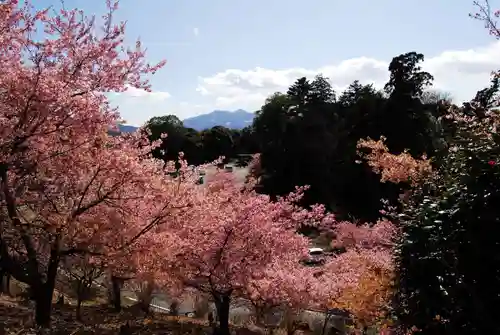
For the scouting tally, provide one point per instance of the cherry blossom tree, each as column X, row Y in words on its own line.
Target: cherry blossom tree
column 400, row 168
column 229, row 238
column 358, row 279
column 254, row 171
column 485, row 13
column 82, row 272
column 235, row 242
column 67, row 188
column 287, row 285
column 104, row 205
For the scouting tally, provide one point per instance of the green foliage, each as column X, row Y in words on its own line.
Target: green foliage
column 198, row 147
column 448, row 259
column 407, row 77
column 217, row 141
column 407, row 122
column 488, row 97
column 296, row 143
column 308, row 136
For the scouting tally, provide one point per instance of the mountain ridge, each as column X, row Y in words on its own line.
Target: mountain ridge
column 237, row 119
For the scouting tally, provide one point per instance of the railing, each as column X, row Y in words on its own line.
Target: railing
column 153, row 306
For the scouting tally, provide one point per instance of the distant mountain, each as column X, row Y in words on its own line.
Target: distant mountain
column 127, row 129
column 238, row 119
column 122, row 128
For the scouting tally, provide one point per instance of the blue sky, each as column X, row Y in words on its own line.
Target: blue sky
column 224, row 54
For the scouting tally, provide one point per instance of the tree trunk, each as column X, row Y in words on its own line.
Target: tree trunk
column 79, row 298
column 44, row 291
column 174, row 308
column 145, row 305
column 145, row 296
column 327, row 318
column 222, row 304
column 3, row 273
column 79, row 309
column 4, row 282
column 7, row 284
column 115, row 293
column 43, row 305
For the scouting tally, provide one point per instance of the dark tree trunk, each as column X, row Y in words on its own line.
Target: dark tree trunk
column 7, row 284
column 40, row 292
column 174, row 308
column 43, row 306
column 79, row 309
column 115, row 293
column 145, row 306
column 146, row 297
column 3, row 273
column 44, row 291
column 79, row 298
column 60, row 300
column 327, row 318
column 29, row 274
column 222, row 304
column 4, row 282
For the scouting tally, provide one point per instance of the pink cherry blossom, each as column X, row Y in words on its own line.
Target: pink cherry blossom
column 67, row 187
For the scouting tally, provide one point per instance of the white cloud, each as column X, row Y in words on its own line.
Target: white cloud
column 196, row 31
column 459, row 72
column 142, row 94
column 137, row 110
column 137, row 106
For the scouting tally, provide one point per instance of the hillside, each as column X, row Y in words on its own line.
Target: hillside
column 237, row 119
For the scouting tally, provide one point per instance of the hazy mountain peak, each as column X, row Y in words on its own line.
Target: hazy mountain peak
column 237, row 119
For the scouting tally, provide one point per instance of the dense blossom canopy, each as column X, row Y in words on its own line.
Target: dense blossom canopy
column 69, row 189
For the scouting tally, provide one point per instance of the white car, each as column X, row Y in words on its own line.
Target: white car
column 315, row 257
column 316, row 251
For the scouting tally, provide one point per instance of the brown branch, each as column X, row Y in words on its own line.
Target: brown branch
column 87, row 187
column 12, row 212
